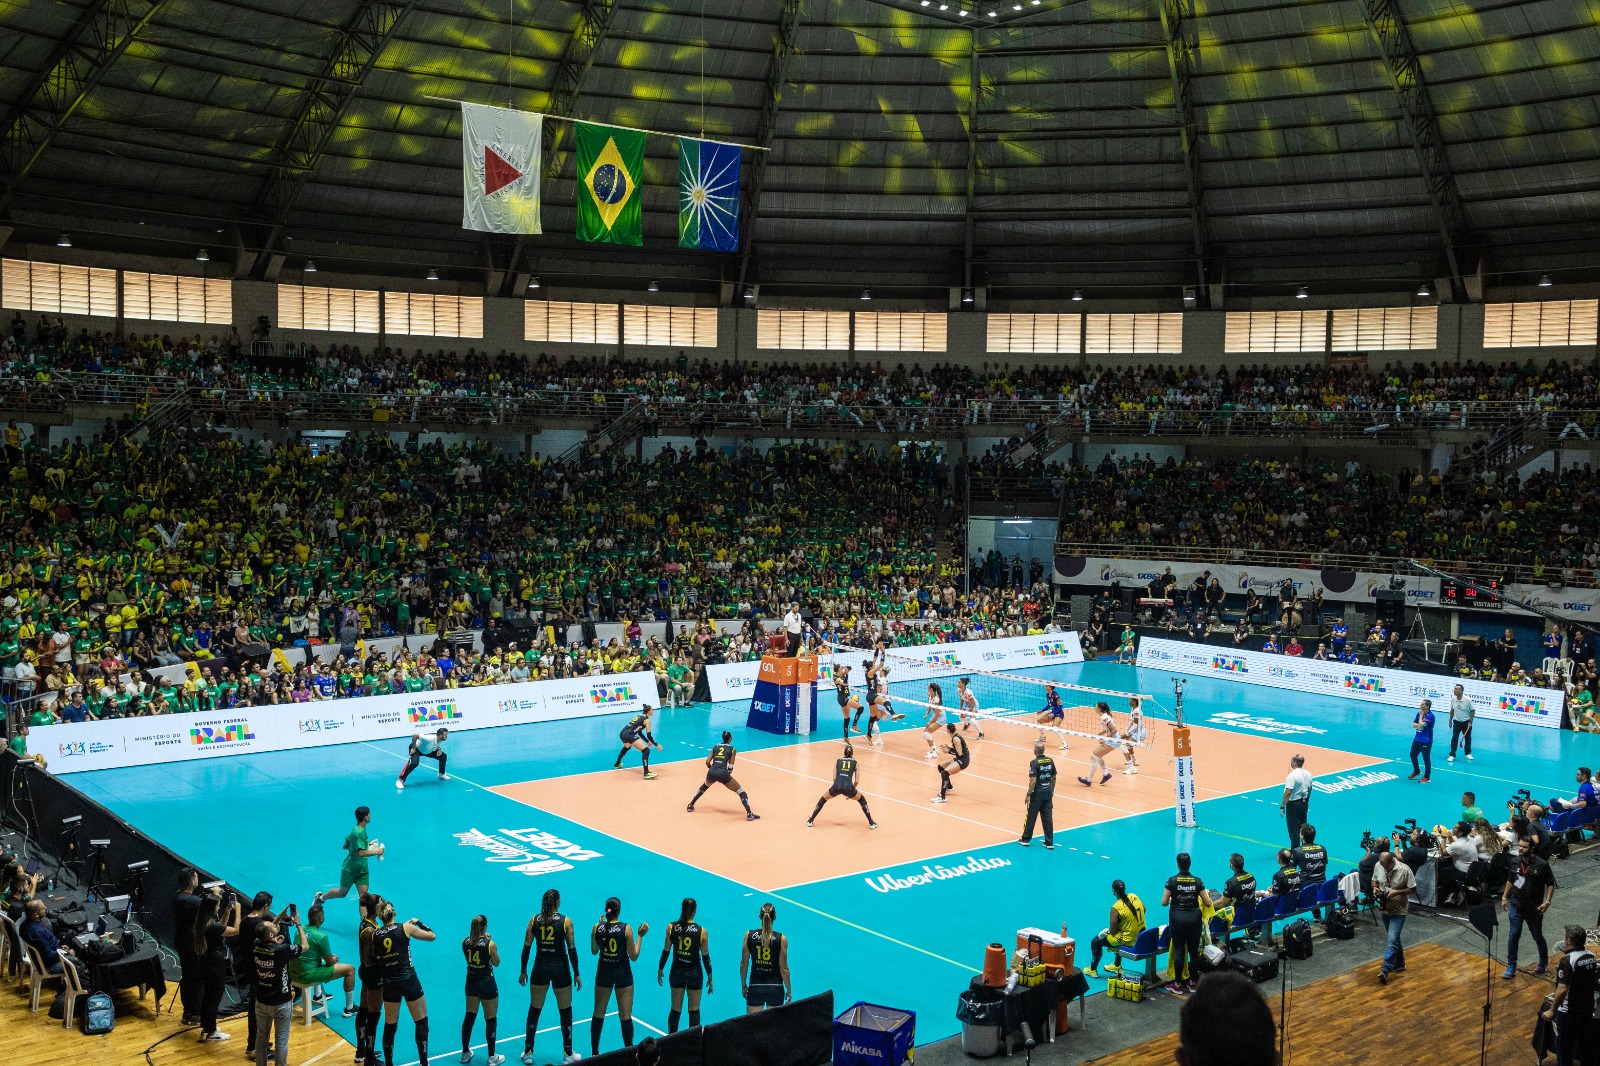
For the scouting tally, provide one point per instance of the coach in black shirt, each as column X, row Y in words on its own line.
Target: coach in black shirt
column 1572, row 1007
column 1041, row 797
column 185, row 905
column 1526, row 898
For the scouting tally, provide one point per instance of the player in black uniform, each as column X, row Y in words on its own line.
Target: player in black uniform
column 847, row 699
column 392, row 950
column 482, row 955
column 719, row 771
column 689, row 946
column 370, row 1005
column 846, row 775
column 869, row 675
column 1181, row 897
column 618, row 947
column 764, row 965
column 555, row 963
column 636, row 734
column 960, row 758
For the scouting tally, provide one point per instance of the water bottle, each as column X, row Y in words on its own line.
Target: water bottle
column 50, row 884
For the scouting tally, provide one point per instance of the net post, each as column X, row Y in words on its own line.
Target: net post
column 1183, row 776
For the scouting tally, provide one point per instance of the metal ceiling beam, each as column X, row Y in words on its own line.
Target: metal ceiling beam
column 786, row 33
column 1177, row 22
column 356, row 47
column 974, row 92
column 97, row 39
column 577, row 59
column 1400, row 62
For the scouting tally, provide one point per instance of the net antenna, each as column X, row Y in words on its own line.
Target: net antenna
column 1003, row 698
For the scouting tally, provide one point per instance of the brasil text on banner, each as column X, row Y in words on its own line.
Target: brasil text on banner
column 708, row 195
column 500, row 160
column 610, row 168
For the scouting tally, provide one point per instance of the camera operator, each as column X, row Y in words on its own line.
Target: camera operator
column 260, row 911
column 1414, row 853
column 274, row 990
column 185, row 906
column 1375, row 848
column 214, row 922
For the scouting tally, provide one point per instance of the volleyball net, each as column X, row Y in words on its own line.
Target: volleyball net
column 1006, row 701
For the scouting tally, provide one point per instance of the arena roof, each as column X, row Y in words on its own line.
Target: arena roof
column 1120, row 145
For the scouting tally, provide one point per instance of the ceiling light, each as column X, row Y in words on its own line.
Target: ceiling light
column 1302, row 292
column 925, row 3
column 1016, row 7
column 653, row 287
column 966, row 295
column 866, row 294
column 64, row 241
column 944, row 7
column 433, row 275
column 204, row 256
column 1424, row 289
column 1544, row 281
column 749, row 292
column 533, row 282
column 311, row 266
column 1077, row 295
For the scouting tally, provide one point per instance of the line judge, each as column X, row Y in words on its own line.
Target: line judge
column 1296, row 797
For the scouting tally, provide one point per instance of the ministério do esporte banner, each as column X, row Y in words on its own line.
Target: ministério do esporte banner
column 72, row 748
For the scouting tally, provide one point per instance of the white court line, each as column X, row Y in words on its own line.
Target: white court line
column 343, row 1043
column 455, row 1053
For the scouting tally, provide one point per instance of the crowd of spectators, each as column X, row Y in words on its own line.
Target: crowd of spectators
column 223, row 362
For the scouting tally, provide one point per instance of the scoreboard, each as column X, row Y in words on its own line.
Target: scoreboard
column 1481, row 596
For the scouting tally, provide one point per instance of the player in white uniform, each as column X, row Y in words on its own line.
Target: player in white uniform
column 1106, row 745
column 1132, row 735
column 969, row 707
column 935, row 719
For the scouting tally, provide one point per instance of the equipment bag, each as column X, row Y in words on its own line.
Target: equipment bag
column 1255, row 964
column 1340, row 925
column 99, row 1015
column 1297, row 940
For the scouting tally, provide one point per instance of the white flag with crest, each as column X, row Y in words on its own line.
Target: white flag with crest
column 500, row 156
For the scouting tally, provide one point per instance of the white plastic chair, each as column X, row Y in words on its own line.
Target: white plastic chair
column 72, row 990
column 38, row 975
column 8, row 938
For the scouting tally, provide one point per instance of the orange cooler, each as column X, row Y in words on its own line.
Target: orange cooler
column 1057, row 950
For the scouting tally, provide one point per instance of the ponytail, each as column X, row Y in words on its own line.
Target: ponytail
column 768, row 914
column 480, row 927
column 1119, row 890
column 613, row 908
column 686, row 914
column 550, row 903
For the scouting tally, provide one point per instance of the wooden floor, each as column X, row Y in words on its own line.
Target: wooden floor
column 38, row 1040
column 1430, row 1015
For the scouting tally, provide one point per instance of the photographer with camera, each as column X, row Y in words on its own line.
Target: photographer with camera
column 248, row 926
column 215, row 920
column 274, row 990
column 1393, row 885
column 185, row 906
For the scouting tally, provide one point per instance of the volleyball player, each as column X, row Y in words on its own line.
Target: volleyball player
column 960, row 758
column 847, row 699
column 555, row 963
column 764, row 965
column 370, row 1006
column 869, row 676
column 618, row 947
column 846, row 776
column 719, row 771
column 969, row 707
column 358, row 848
column 423, row 748
column 1103, row 746
column 482, row 955
column 934, row 719
column 1054, row 714
column 689, row 946
column 636, row 734
column 1133, row 735
column 392, row 949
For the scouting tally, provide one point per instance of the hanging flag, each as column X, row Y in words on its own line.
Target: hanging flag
column 500, row 152
column 708, row 195
column 610, row 165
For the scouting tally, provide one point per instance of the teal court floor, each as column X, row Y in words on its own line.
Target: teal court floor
column 879, row 933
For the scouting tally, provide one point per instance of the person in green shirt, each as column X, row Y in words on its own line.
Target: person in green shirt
column 358, row 848
column 318, row 965
column 43, row 716
column 1469, row 808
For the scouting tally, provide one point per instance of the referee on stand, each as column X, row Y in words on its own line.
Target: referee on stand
column 1041, row 796
column 792, row 626
column 1296, row 797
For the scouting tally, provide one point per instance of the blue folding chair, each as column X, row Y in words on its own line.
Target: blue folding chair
column 1560, row 821
column 1146, row 948
column 1244, row 916
column 1328, row 893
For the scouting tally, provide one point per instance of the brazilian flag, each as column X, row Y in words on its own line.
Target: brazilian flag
column 610, row 165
